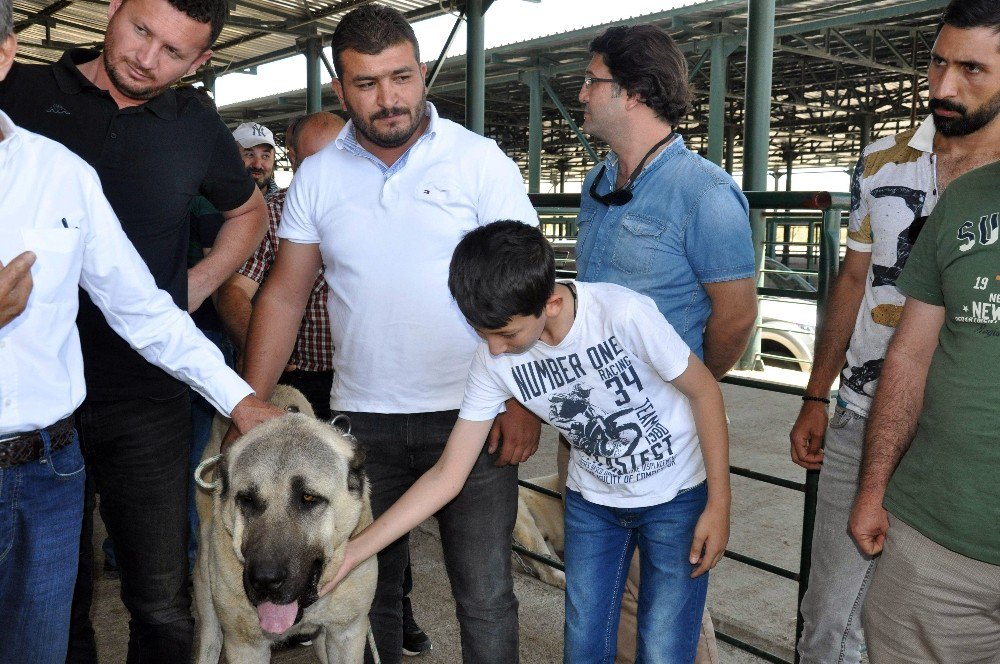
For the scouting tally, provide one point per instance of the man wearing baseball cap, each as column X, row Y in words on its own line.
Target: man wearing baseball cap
column 256, row 145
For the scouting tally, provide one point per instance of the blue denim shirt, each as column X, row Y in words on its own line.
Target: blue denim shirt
column 687, row 224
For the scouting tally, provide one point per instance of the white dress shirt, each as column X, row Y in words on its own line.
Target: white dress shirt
column 51, row 203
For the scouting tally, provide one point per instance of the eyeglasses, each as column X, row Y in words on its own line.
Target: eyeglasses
column 589, row 80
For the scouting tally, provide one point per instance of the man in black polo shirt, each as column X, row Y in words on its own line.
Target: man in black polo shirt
column 154, row 150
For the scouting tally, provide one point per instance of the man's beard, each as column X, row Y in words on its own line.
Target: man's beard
column 265, row 178
column 143, row 94
column 390, row 139
column 966, row 123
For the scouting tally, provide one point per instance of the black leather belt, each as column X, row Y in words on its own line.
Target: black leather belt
column 24, row 447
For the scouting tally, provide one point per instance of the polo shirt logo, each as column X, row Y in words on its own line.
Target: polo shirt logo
column 58, row 109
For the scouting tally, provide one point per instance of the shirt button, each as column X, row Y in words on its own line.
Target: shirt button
column 114, row 135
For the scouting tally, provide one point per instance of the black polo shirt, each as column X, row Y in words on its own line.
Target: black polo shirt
column 152, row 160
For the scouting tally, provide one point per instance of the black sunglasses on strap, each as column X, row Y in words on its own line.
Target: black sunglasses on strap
column 623, row 194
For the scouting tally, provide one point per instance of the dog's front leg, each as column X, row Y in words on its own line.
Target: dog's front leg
column 246, row 653
column 344, row 644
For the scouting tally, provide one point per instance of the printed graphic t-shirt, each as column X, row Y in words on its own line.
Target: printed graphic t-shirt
column 605, row 387
column 892, row 192
column 946, row 484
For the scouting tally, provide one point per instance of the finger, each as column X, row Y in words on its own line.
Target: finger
column 697, row 547
column 506, row 454
column 493, row 440
column 16, row 271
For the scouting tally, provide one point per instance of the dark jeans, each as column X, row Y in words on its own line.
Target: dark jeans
column 137, row 457
column 315, row 385
column 475, row 529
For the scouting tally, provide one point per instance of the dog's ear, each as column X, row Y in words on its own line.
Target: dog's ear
column 356, row 472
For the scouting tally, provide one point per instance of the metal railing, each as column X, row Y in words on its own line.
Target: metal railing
column 557, row 217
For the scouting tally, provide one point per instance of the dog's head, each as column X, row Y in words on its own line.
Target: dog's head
column 293, row 490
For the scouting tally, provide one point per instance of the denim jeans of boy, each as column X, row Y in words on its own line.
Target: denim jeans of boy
column 41, row 504
column 840, row 573
column 599, row 544
column 475, row 530
column 137, row 457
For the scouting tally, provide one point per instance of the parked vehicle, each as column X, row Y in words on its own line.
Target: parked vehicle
column 788, row 325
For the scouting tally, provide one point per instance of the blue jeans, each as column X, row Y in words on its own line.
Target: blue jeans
column 475, row 530
column 41, row 504
column 600, row 541
column 137, row 457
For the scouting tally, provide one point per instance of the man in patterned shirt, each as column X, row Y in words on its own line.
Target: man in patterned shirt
column 310, row 367
column 896, row 184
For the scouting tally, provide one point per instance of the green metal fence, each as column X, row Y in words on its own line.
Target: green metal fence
column 821, row 213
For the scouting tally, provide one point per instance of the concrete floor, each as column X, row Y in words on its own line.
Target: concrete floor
column 745, row 602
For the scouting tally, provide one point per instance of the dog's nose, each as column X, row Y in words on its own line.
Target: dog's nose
column 268, row 577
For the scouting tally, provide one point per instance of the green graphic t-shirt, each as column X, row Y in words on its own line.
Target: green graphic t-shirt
column 947, row 485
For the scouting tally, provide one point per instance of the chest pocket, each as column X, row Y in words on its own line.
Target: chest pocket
column 56, row 271
column 638, row 244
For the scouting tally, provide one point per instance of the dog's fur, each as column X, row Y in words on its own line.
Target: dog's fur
column 539, row 528
column 290, row 493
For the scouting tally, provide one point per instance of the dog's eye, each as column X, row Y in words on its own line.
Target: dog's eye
column 308, row 498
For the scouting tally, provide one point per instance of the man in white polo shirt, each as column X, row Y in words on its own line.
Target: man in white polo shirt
column 382, row 208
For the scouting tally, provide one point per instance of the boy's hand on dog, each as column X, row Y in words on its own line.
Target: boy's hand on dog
column 516, row 432
column 711, row 535
column 247, row 414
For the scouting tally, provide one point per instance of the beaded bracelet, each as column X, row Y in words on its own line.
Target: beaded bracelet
column 809, row 397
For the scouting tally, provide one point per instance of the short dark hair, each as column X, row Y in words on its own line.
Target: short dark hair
column 501, row 270
column 370, row 29
column 6, row 19
column 645, row 61
column 213, row 12
column 968, row 14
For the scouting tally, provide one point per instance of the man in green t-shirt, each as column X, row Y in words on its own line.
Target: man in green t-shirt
column 935, row 596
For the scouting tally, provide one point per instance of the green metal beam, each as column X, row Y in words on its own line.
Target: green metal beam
column 475, row 67
column 314, row 89
column 717, row 101
column 534, row 80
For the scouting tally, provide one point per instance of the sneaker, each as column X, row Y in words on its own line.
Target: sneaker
column 415, row 642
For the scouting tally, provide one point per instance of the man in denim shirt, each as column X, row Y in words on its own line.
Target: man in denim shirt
column 657, row 218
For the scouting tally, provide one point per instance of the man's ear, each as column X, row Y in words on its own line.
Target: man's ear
column 423, row 72
column 338, row 89
column 8, row 48
column 113, row 7
column 199, row 61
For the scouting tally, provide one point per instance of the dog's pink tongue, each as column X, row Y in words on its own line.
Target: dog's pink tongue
column 277, row 618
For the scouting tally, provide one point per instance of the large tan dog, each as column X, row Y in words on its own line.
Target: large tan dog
column 539, row 528
column 289, row 494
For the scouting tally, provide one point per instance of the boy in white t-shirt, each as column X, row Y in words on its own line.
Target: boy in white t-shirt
column 647, row 425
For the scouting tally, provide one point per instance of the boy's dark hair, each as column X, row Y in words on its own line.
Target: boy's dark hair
column 968, row 14
column 645, row 61
column 370, row 29
column 501, row 270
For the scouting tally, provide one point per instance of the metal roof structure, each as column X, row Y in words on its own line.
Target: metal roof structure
column 841, row 70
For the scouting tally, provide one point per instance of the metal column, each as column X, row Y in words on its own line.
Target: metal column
column 865, row 122
column 475, row 67
column 717, row 101
column 756, row 130
column 534, row 81
column 314, row 90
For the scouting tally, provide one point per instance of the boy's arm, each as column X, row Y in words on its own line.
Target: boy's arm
column 712, row 531
column 431, row 492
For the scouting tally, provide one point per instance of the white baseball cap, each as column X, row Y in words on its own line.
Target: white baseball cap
column 250, row 134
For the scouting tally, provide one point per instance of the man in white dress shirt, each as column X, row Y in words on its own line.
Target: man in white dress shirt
column 57, row 223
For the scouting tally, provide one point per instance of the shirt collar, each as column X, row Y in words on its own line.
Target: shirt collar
column 71, row 81
column 347, row 140
column 11, row 139
column 923, row 137
column 611, row 173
